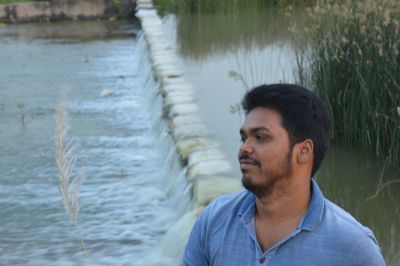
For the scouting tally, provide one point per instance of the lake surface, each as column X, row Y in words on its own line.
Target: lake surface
column 125, row 202
column 259, row 44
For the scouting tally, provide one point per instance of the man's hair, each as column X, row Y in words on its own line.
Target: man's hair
column 304, row 115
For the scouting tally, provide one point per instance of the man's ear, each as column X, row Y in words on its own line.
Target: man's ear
column 305, row 151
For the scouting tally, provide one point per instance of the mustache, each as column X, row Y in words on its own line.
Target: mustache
column 247, row 158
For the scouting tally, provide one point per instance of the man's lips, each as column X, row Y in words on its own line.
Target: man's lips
column 248, row 163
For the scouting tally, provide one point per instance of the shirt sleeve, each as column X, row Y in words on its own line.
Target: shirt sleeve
column 196, row 251
column 367, row 252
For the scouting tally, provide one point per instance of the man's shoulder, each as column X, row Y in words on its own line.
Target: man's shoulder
column 229, row 205
column 340, row 220
column 355, row 242
column 233, row 198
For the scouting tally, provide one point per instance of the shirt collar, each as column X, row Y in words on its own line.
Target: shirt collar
column 311, row 219
column 247, row 210
column 313, row 216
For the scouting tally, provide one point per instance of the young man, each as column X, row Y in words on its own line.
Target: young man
column 282, row 218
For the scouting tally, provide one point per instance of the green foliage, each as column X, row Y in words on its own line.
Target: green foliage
column 118, row 5
column 354, row 64
column 13, row 1
column 238, row 77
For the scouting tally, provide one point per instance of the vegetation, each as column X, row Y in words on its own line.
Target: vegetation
column 354, row 64
column 13, row 1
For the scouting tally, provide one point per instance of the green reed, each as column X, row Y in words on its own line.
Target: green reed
column 354, row 64
column 13, row 1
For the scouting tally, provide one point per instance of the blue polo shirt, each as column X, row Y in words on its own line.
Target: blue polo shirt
column 327, row 235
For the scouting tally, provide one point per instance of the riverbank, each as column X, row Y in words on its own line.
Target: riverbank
column 38, row 11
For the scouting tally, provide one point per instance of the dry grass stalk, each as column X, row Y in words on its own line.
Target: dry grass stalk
column 69, row 188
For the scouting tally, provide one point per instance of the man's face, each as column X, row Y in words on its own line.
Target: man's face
column 264, row 156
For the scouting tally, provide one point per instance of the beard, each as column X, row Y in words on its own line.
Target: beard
column 265, row 189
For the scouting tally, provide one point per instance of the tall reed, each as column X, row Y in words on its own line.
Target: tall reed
column 354, row 64
column 69, row 187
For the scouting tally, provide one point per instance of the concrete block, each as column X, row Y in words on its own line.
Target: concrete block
column 189, row 131
column 168, row 72
column 177, row 99
column 211, row 167
column 187, row 146
column 173, row 81
column 166, row 89
column 142, row 13
column 205, row 155
column 182, row 120
column 183, row 109
column 206, row 190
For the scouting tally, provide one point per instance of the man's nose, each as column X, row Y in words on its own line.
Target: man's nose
column 246, row 147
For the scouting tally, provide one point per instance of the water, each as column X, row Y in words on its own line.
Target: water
column 259, row 44
column 125, row 209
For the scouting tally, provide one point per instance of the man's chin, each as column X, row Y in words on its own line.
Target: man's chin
column 260, row 190
column 248, row 183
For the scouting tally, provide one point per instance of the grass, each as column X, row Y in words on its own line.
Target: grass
column 69, row 187
column 354, row 65
column 13, row 1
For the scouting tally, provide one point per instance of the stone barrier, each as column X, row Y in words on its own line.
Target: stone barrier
column 208, row 169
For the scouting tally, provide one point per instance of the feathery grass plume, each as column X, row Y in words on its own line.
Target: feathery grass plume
column 69, row 187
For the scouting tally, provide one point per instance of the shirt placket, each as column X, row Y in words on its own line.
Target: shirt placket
column 266, row 257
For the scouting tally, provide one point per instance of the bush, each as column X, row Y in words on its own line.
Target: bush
column 354, row 64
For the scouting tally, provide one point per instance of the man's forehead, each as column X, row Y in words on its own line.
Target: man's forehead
column 262, row 118
column 254, row 129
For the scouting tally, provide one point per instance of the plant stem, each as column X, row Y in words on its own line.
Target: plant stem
column 87, row 253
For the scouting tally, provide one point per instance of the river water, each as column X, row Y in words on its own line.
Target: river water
column 133, row 192
column 125, row 204
column 259, row 44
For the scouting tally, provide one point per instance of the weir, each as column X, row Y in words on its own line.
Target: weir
column 205, row 173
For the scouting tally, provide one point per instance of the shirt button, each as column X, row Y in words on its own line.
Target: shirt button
column 261, row 260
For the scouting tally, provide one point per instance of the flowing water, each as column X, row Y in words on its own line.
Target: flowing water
column 125, row 201
column 259, row 44
column 134, row 189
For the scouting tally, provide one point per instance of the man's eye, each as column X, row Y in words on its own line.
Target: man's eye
column 260, row 138
column 242, row 139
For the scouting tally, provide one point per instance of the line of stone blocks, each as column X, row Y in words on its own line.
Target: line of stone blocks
column 207, row 166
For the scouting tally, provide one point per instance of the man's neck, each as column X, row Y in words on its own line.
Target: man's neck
column 287, row 199
column 280, row 212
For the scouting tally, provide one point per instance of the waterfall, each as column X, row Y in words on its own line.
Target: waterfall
column 195, row 169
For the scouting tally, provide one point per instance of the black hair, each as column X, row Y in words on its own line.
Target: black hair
column 304, row 115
